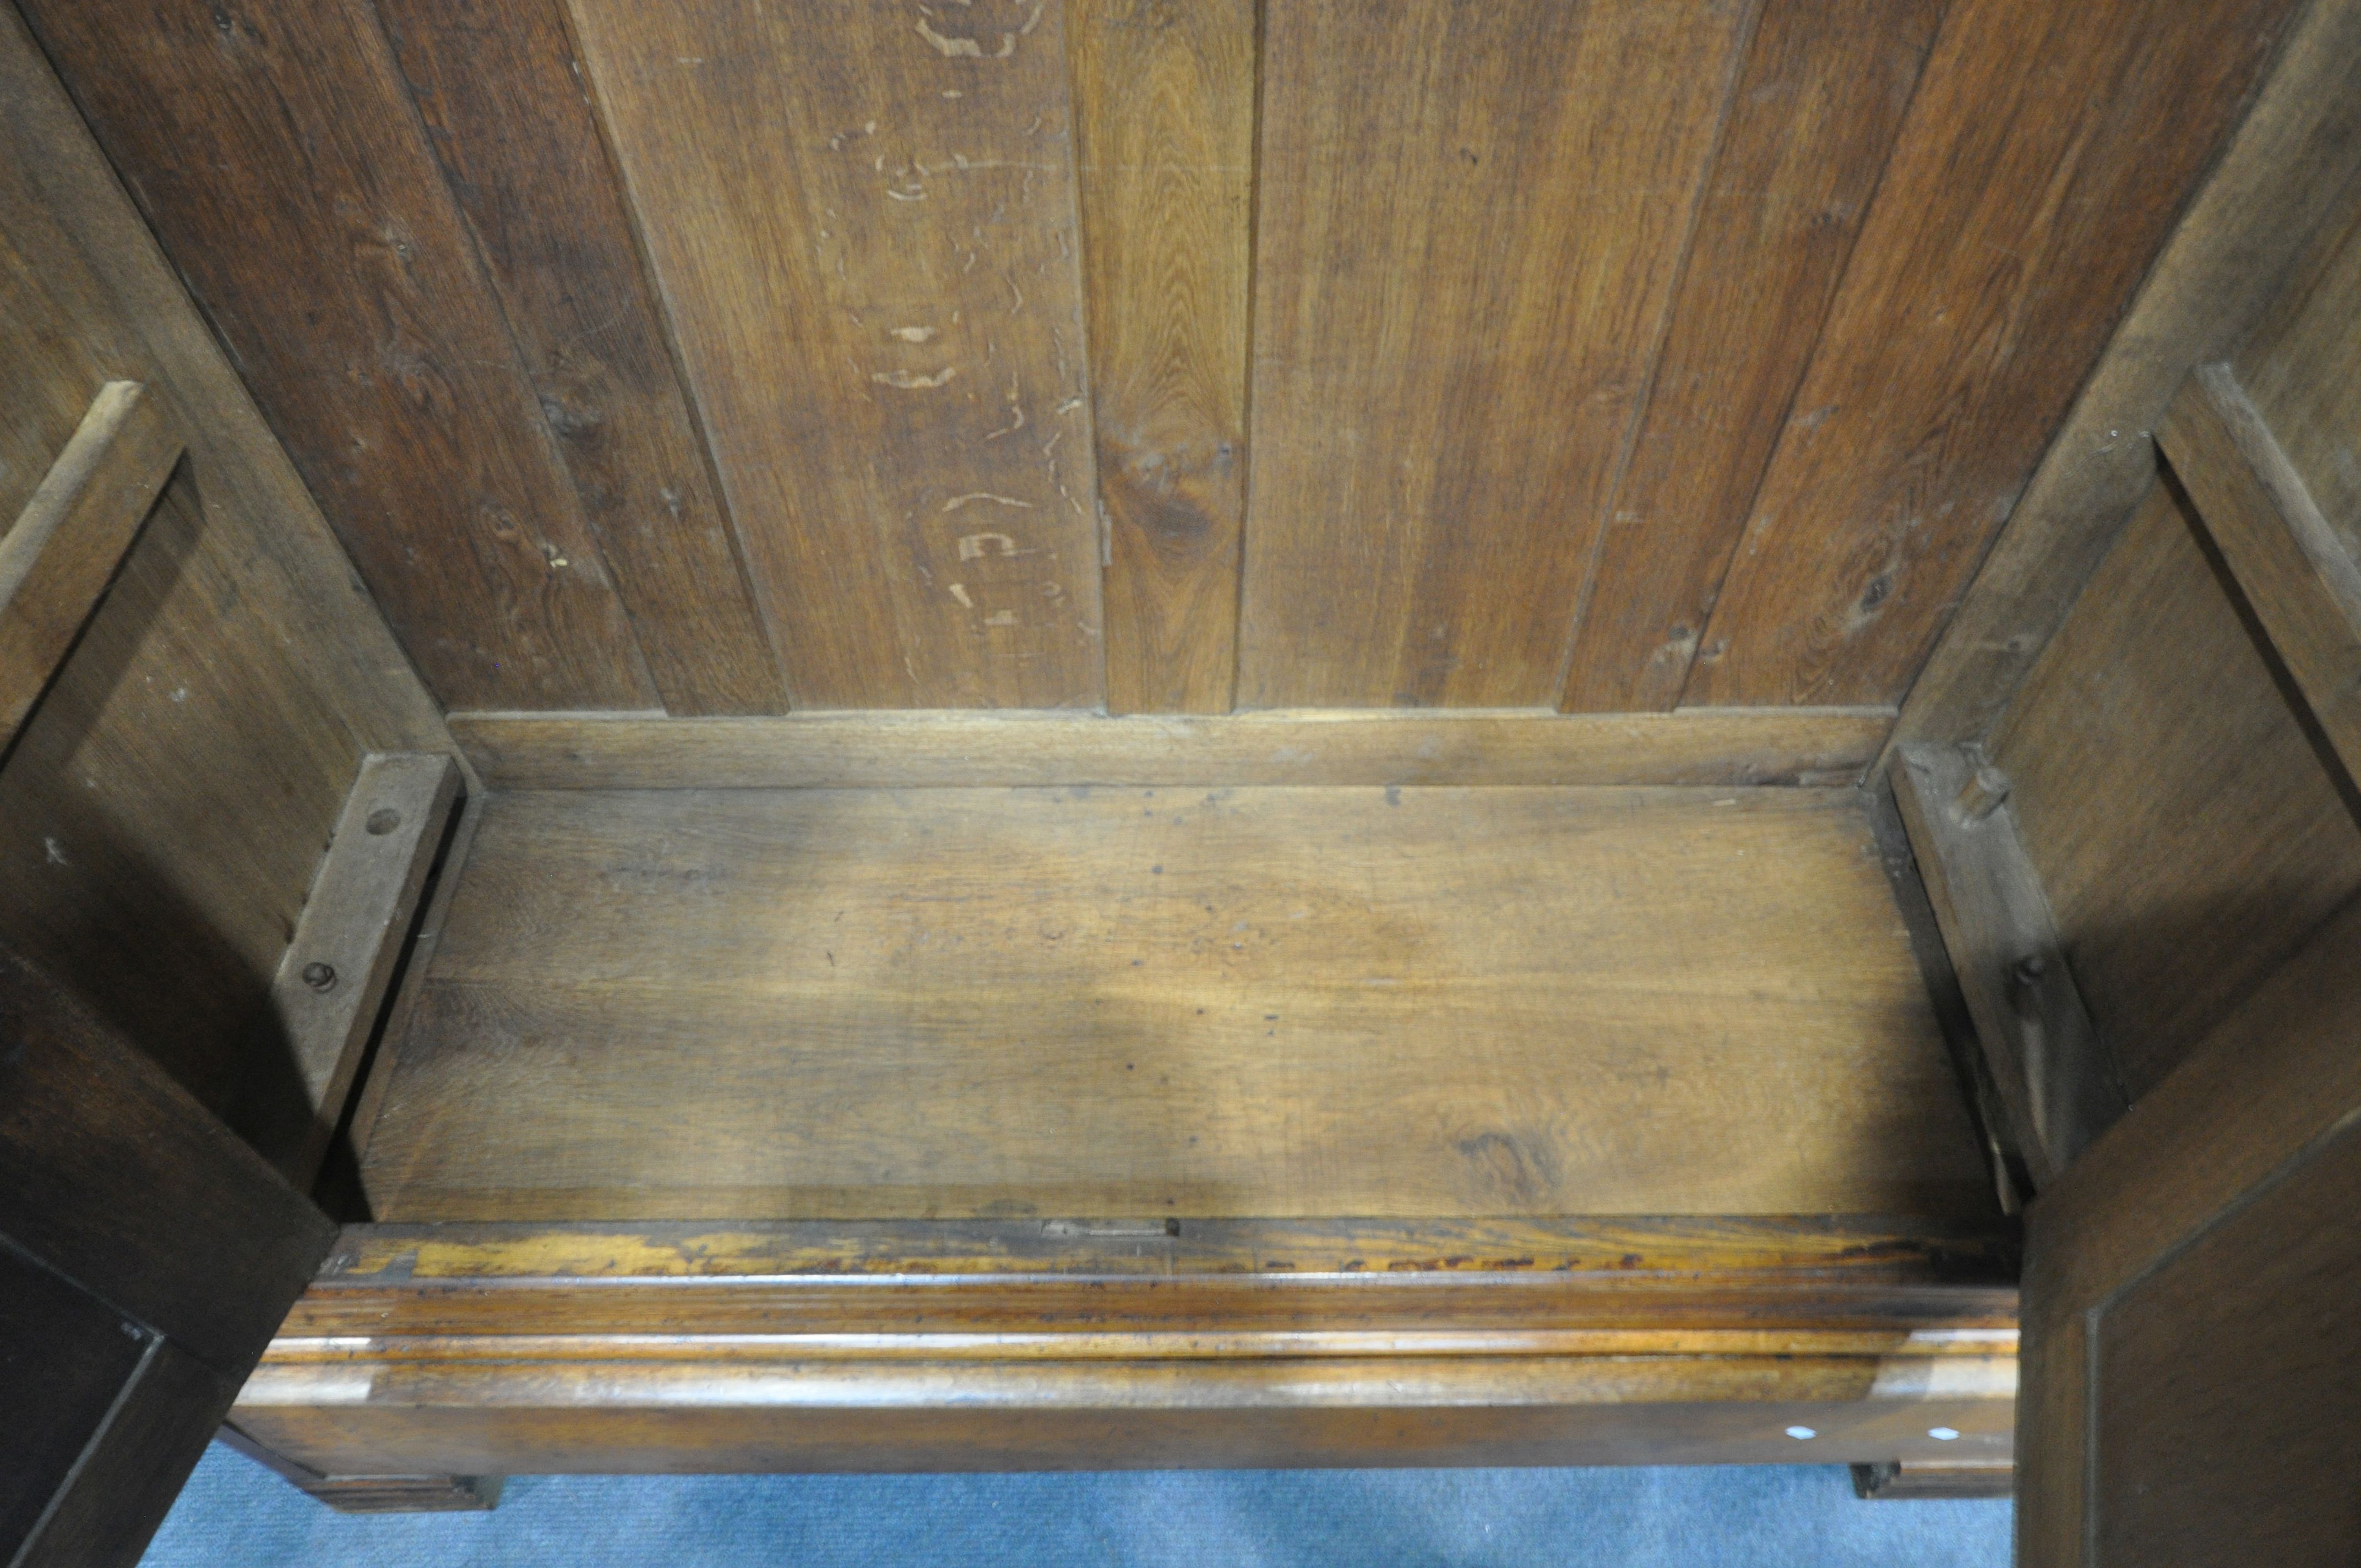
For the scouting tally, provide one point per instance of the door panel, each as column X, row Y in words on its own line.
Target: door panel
column 146, row 1256
column 2193, row 1299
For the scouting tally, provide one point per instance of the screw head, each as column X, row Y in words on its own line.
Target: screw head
column 319, row 976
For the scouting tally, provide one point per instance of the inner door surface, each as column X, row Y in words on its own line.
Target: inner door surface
column 146, row 1256
column 2192, row 1303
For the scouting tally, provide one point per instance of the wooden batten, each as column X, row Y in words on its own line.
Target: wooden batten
column 68, row 542
column 2044, row 1054
column 879, row 750
column 332, row 983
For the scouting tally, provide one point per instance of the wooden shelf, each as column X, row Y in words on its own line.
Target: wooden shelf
column 949, row 1003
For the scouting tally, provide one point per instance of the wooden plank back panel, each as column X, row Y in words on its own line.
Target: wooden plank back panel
column 1815, row 117
column 1471, row 219
column 862, row 220
column 1292, row 1001
column 1164, row 114
column 315, row 229
column 497, row 88
column 2171, row 798
column 2046, row 156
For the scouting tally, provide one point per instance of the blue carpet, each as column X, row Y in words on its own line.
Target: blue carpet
column 237, row 1515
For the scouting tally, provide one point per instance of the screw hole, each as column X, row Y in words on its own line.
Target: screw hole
column 384, row 820
column 319, row 976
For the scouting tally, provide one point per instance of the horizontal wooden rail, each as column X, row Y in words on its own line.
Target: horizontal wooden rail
column 851, row 1346
column 64, row 550
column 2303, row 580
column 873, row 750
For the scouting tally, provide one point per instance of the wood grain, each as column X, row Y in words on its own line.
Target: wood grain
column 318, row 237
column 106, row 305
column 118, row 1181
column 127, row 1481
column 2061, row 1088
column 2171, row 799
column 1146, row 1002
column 1164, row 125
column 2283, row 169
column 2298, row 573
column 1816, row 107
column 67, row 545
column 1462, row 281
column 1871, row 1268
column 904, row 1344
column 772, row 1415
column 332, row 982
column 163, row 812
column 2299, row 370
column 869, row 751
column 2276, row 1077
column 862, row 221
column 145, row 1256
column 505, row 109
column 2019, row 212
column 164, row 807
column 2229, row 1381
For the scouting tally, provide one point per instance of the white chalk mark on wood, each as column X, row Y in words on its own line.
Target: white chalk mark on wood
column 972, row 546
column 911, row 380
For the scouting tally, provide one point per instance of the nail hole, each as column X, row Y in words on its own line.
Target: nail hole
column 319, row 976
column 1800, row 1433
column 384, row 820
column 1943, row 1435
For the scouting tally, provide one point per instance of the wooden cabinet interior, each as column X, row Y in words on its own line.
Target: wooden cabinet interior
column 1048, row 737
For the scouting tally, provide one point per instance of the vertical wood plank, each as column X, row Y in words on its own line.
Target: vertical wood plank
column 281, row 163
column 508, row 119
column 1164, row 117
column 1470, row 221
column 862, row 218
column 2048, row 153
column 1816, row 108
